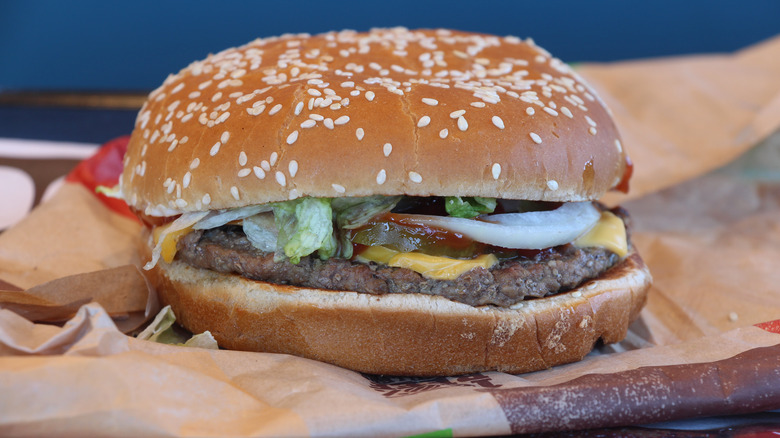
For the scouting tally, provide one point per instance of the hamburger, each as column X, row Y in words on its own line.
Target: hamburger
column 403, row 202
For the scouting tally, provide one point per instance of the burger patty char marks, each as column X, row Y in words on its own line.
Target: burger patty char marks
column 226, row 249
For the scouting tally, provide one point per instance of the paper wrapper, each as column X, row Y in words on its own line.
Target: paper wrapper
column 705, row 201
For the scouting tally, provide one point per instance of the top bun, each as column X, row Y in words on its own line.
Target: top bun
column 389, row 112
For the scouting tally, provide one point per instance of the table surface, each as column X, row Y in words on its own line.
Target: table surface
column 85, row 121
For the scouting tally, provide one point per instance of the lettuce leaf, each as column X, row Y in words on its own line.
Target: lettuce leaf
column 261, row 231
column 466, row 207
column 162, row 330
column 305, row 225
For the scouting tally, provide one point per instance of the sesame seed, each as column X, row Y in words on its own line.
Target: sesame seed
column 215, row 149
column 308, row 123
column 618, row 145
column 274, row 157
column 498, row 122
column 462, row 123
column 328, row 122
column 456, row 114
column 222, row 118
column 496, row 169
column 234, row 192
column 185, row 182
column 341, row 120
column 429, row 101
column 550, row 111
column 444, row 133
column 257, row 108
column 359, row 133
column 354, row 93
column 590, row 121
column 530, row 111
column 338, row 188
column 195, row 163
column 244, row 172
column 314, row 92
column 552, row 184
column 348, row 84
column 370, row 95
column 424, row 121
column 281, row 179
column 415, row 177
column 478, row 104
column 535, row 137
column 566, row 112
column 181, row 203
column 293, row 168
column 298, row 108
column 592, row 131
column 275, row 109
column 317, row 117
column 265, row 165
column 387, row 149
column 292, row 137
column 381, row 177
column 242, row 159
column 173, row 145
column 259, row 173
column 206, row 199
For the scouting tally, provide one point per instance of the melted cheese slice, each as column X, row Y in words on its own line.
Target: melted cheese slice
column 170, row 239
column 434, row 267
column 609, row 232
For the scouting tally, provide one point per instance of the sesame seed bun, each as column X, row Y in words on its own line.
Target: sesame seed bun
column 389, row 112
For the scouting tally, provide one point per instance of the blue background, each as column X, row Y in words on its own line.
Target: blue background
column 134, row 45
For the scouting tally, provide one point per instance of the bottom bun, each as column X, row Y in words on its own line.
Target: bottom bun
column 405, row 334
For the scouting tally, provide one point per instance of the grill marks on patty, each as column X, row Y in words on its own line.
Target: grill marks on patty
column 227, row 250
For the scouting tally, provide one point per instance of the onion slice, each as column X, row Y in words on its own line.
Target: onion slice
column 529, row 230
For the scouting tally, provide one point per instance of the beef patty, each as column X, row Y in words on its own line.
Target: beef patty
column 227, row 250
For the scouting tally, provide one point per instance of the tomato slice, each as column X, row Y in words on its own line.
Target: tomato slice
column 391, row 231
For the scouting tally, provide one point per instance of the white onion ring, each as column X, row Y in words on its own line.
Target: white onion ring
column 530, row 230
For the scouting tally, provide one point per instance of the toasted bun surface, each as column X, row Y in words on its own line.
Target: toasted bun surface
column 405, row 334
column 391, row 111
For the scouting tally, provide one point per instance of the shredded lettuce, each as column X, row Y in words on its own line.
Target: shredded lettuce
column 261, row 231
column 305, row 225
column 161, row 330
column 467, row 207
column 111, row 192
